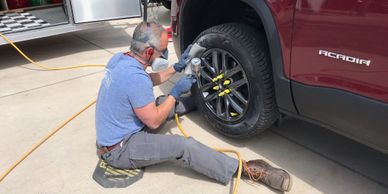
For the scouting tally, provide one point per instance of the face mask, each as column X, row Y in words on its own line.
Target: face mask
column 159, row 64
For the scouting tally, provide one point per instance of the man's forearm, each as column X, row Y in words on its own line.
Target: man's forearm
column 152, row 115
column 161, row 77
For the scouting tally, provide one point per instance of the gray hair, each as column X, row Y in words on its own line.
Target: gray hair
column 146, row 34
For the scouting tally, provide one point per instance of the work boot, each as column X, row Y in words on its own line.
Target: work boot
column 259, row 170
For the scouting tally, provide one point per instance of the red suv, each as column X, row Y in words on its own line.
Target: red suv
column 324, row 61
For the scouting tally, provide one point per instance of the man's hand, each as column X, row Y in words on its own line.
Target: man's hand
column 182, row 86
column 182, row 63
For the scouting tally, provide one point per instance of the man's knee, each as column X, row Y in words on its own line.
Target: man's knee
column 181, row 145
column 189, row 144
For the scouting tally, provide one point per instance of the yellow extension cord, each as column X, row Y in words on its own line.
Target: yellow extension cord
column 33, row 148
column 42, row 66
column 219, row 150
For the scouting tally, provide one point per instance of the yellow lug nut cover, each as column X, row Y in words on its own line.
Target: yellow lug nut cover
column 227, row 82
column 227, row 91
column 218, row 77
column 233, row 114
column 216, row 87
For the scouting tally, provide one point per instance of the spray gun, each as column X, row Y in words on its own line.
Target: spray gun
column 194, row 63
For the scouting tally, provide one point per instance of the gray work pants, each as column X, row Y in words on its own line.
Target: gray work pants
column 145, row 149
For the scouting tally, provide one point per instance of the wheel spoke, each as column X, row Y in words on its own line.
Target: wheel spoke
column 238, row 83
column 208, row 66
column 239, row 96
column 215, row 61
column 224, row 62
column 233, row 71
column 226, row 104
column 235, row 105
column 205, row 75
column 211, row 97
column 207, row 86
column 219, row 106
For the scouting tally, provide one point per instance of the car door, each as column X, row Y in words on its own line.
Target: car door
column 339, row 66
column 100, row 10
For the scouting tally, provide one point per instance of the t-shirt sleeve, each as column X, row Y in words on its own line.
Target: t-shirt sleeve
column 140, row 92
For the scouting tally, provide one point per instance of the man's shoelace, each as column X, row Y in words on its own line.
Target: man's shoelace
column 254, row 176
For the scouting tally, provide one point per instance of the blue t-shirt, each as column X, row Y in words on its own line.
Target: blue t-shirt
column 125, row 86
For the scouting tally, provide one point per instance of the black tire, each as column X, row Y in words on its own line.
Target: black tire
column 249, row 48
column 166, row 3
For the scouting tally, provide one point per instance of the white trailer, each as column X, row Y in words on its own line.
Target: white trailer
column 31, row 22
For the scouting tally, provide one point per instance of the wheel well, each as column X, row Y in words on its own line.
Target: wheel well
column 199, row 15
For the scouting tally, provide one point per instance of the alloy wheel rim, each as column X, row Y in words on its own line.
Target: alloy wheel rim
column 223, row 85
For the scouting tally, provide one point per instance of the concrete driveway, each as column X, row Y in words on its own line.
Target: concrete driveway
column 32, row 102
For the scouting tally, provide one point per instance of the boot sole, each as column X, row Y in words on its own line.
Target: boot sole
column 290, row 183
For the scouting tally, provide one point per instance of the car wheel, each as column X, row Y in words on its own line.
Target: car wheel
column 235, row 89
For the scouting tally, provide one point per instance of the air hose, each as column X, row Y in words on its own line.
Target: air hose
column 55, row 130
column 239, row 172
column 42, row 66
column 44, row 139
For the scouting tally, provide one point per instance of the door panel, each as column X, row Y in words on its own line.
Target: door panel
column 99, row 10
column 339, row 66
column 343, row 45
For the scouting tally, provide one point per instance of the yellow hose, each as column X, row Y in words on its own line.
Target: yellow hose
column 42, row 66
column 56, row 129
column 219, row 150
column 44, row 140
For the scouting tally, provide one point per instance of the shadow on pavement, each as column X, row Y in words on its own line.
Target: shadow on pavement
column 306, row 150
